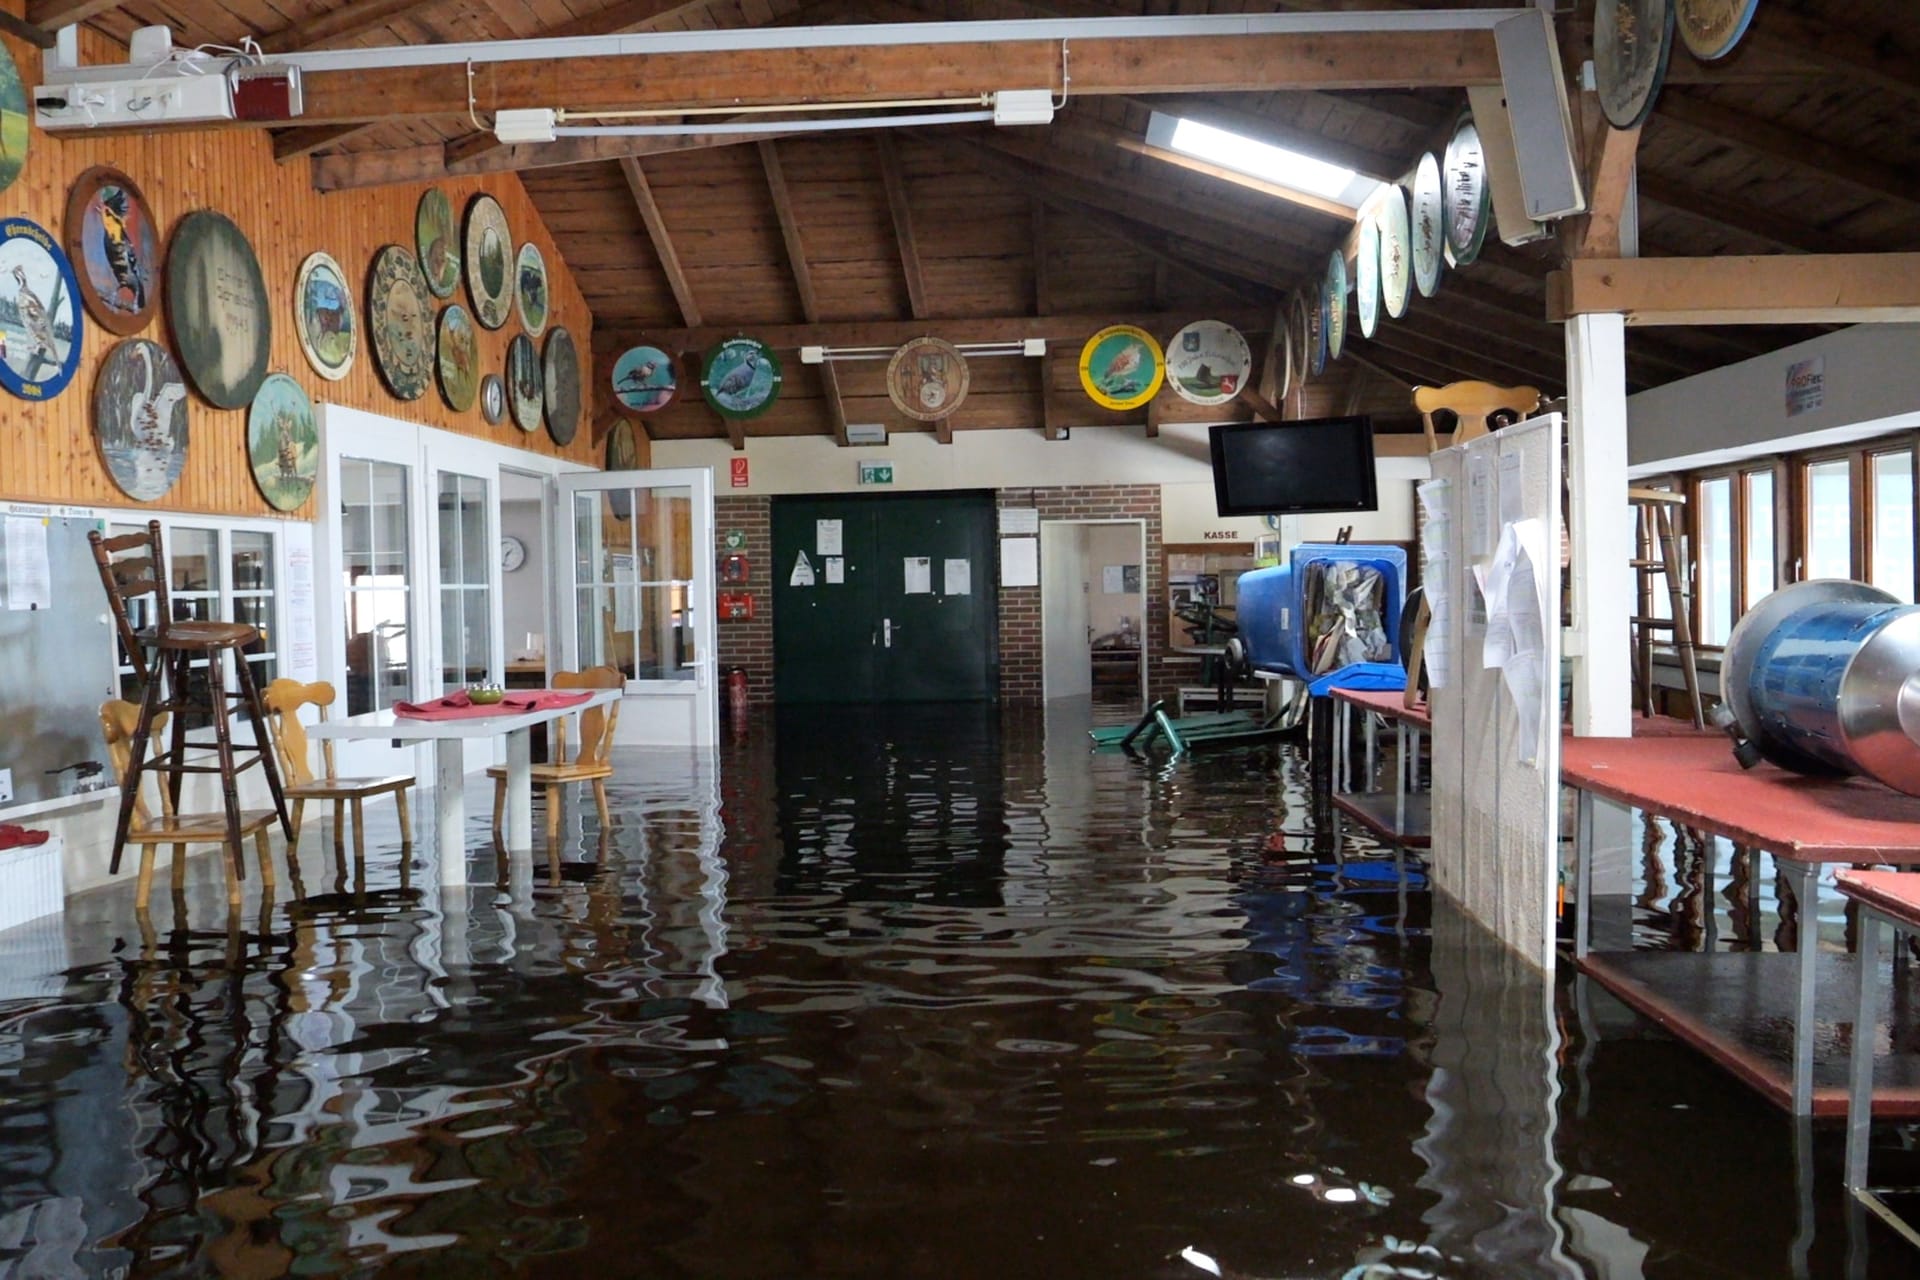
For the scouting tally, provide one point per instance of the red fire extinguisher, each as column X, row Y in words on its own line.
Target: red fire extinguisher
column 737, row 693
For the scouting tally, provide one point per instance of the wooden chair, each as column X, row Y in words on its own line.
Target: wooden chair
column 284, row 698
column 592, row 764
column 119, row 720
column 1472, row 404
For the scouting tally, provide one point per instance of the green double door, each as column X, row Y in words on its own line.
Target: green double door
column 885, row 599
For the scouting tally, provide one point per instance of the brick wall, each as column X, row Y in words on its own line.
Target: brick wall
column 748, row 644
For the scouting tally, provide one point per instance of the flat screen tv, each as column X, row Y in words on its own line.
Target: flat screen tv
column 1287, row 468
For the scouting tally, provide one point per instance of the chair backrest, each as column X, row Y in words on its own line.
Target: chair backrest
column 596, row 723
column 130, row 576
column 283, row 699
column 118, row 718
column 1471, row 404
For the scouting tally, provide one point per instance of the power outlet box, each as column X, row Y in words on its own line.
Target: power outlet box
column 6, row 786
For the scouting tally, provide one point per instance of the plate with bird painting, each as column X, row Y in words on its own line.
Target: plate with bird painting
column 438, row 241
column 526, row 388
column 400, row 318
column 283, row 442
column 560, row 365
column 1122, row 367
column 740, row 378
column 324, row 318
column 140, row 418
column 115, row 250
column 530, row 290
column 40, row 320
column 643, row 379
column 489, row 261
column 217, row 308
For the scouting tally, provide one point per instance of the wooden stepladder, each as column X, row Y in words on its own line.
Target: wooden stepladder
column 1657, row 556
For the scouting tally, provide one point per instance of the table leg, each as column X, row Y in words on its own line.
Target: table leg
column 450, row 808
column 1400, row 775
column 1805, row 879
column 1802, row 1247
column 1366, row 783
column 520, row 790
column 1582, row 874
column 1866, row 1016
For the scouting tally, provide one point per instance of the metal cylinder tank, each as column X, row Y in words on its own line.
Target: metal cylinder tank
column 1824, row 678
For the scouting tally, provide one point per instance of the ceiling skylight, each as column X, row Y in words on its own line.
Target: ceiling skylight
column 1264, row 161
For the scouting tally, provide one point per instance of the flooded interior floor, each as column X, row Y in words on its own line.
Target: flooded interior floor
column 926, row 992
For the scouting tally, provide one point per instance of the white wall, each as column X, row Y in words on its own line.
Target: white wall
column 1872, row 387
column 523, row 593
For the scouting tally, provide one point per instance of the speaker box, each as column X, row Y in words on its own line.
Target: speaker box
column 1527, row 130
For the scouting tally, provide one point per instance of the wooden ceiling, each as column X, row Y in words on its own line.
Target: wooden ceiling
column 1803, row 140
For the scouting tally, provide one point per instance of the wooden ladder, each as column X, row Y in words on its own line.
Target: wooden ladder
column 1657, row 555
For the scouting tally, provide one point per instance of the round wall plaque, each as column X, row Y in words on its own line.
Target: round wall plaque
column 1300, row 332
column 530, row 289
column 140, row 418
column 115, row 250
column 1464, row 178
column 622, row 454
column 40, row 319
column 1122, row 367
column 1333, row 291
column 217, row 308
column 1710, row 28
column 400, row 318
column 1631, row 42
column 1280, row 352
column 283, row 442
column 927, row 379
column 560, row 367
column 438, row 241
column 459, row 362
column 1427, row 226
column 643, row 379
column 740, row 378
column 324, row 318
column 1317, row 322
column 489, row 261
column 526, row 385
column 1208, row 362
column 1396, row 256
column 1366, row 275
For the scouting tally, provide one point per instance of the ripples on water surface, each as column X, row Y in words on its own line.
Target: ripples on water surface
column 928, row 994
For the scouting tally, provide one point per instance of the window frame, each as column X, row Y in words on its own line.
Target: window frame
column 125, row 520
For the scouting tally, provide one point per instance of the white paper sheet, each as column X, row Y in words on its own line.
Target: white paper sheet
column 958, row 578
column 836, row 571
column 1513, row 498
column 919, row 571
column 1019, row 520
column 301, row 643
column 1019, row 562
column 1481, row 529
column 802, row 575
column 29, row 572
column 826, row 537
column 1516, row 630
column 1113, row 579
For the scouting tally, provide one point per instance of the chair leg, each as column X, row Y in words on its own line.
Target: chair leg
column 553, row 812
column 136, row 765
column 600, row 802
column 179, row 684
column 223, row 745
column 499, row 807
column 406, row 818
column 143, row 887
column 299, row 812
column 179, row 868
column 359, row 833
column 339, row 826
column 233, row 876
column 263, row 848
column 262, row 741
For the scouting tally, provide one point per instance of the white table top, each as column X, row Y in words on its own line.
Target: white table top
column 385, row 724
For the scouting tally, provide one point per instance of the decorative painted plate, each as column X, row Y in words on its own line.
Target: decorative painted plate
column 489, row 261
column 437, row 239
column 622, row 453
column 526, row 388
column 400, row 318
column 1300, row 329
column 740, row 378
column 1396, row 255
column 1122, row 367
column 1428, row 228
column 1710, row 28
column 1366, row 274
column 643, row 379
column 1333, row 290
column 561, row 365
column 493, row 399
column 283, row 442
column 1632, row 40
column 530, row 290
column 140, row 418
column 15, row 133
column 324, row 317
column 927, row 379
column 1280, row 350
column 1317, row 322
column 217, row 308
column 1464, row 175
column 40, row 320
column 459, row 362
column 1208, row 362
column 115, row 250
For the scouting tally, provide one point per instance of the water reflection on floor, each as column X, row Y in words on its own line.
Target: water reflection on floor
column 909, row 994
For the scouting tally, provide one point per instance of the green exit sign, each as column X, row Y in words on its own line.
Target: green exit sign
column 876, row 473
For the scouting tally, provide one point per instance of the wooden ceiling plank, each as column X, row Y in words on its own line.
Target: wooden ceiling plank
column 620, row 18
column 789, row 231
column 1042, row 282
column 343, row 25
column 1378, row 165
column 1810, row 289
column 662, row 241
column 304, row 140
column 1788, row 146
column 1051, row 422
column 896, row 185
column 1745, row 218
column 51, row 15
column 1864, row 58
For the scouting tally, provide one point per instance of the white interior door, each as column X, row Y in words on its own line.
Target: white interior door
column 1067, row 662
column 633, row 551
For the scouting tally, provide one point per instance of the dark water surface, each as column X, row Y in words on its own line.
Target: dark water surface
column 921, row 994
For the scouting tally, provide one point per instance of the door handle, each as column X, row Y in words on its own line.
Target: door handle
column 886, row 630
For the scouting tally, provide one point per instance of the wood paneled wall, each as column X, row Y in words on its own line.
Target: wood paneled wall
column 47, row 451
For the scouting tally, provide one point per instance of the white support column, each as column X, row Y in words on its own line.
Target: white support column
column 1599, row 525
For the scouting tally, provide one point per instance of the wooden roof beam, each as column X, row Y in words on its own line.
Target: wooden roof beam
column 1788, row 146
column 896, row 184
column 662, row 241
column 342, row 25
column 1873, row 59
column 304, row 140
column 51, row 15
column 789, row 231
column 1071, row 328
column 1811, row 289
column 1746, row 219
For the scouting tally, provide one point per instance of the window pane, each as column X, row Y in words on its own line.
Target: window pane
column 1716, row 560
column 195, row 557
column 1761, row 566
column 1829, row 520
column 375, row 523
column 663, row 534
column 1893, row 523
column 252, row 561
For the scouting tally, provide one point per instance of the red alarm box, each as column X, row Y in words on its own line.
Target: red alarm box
column 736, row 606
column 735, row 567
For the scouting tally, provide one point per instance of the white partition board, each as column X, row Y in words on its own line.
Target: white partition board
column 1496, row 815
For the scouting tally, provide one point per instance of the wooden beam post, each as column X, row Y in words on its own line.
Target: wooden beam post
column 1050, row 424
column 896, row 184
column 1599, row 528
column 836, row 406
column 789, row 231
column 1153, row 418
column 1801, row 289
column 943, row 429
column 662, row 241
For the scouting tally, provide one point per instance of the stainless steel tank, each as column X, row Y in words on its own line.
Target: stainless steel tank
column 1824, row 678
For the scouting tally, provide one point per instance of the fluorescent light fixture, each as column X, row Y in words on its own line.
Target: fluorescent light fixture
column 1023, row 106
column 1259, row 159
column 1033, row 346
column 813, row 355
column 866, row 433
column 525, row 124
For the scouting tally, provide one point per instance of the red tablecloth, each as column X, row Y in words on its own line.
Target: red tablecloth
column 459, row 706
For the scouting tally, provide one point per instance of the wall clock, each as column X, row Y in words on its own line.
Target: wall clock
column 493, row 399
column 217, row 308
column 1208, row 362
column 513, row 553
column 323, row 317
column 1334, row 291
column 1631, row 42
column 1427, row 227
column 1396, row 256
column 1366, row 275
column 400, row 318
column 740, row 378
column 1122, row 367
column 1464, row 193
column 437, row 239
column 40, row 318
column 115, row 250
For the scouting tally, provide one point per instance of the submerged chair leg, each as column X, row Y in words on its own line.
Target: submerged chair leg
column 499, row 807
column 143, row 887
column 600, row 802
column 179, row 868
column 553, row 813
column 359, row 833
column 263, row 849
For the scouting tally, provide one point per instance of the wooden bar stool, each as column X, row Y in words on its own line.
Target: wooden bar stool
column 176, row 645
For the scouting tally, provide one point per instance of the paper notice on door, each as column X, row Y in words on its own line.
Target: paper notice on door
column 802, row 575
column 1019, row 562
column 1482, row 530
column 836, row 570
column 1513, row 494
column 826, row 537
column 29, row 569
column 959, row 578
column 919, row 570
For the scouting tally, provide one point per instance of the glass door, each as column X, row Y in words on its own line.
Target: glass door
column 467, row 550
column 634, row 550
